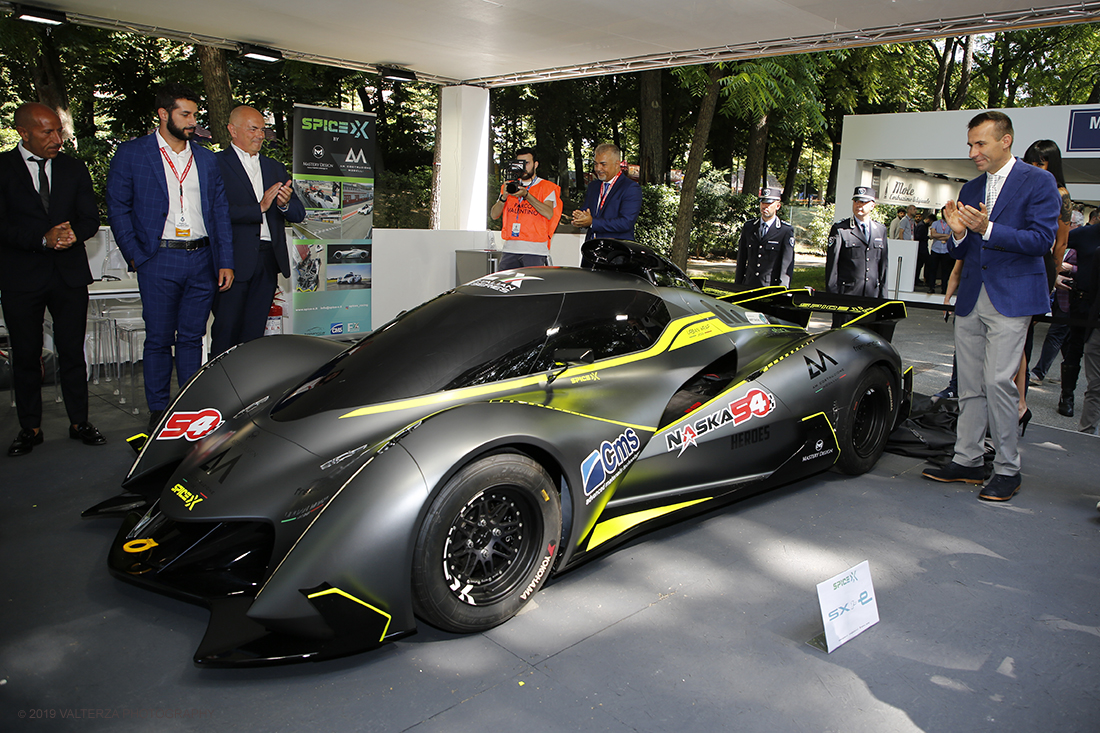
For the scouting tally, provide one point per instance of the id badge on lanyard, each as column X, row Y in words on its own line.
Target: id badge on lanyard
column 183, row 229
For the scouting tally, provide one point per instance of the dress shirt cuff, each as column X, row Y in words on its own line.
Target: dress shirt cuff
column 988, row 231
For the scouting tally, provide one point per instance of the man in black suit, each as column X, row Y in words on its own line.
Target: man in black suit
column 261, row 200
column 47, row 210
column 765, row 252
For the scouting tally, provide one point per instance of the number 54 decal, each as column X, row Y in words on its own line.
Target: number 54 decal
column 191, row 425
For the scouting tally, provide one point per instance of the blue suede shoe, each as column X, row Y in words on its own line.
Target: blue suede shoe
column 1000, row 488
column 955, row 472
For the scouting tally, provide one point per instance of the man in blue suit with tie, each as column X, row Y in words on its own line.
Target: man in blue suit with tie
column 1002, row 224
column 169, row 215
column 613, row 201
column 261, row 201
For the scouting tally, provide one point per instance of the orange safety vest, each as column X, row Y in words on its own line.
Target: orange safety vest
column 533, row 226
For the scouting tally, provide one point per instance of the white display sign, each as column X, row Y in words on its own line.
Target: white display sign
column 848, row 605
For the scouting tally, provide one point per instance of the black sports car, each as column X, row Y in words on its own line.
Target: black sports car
column 320, row 499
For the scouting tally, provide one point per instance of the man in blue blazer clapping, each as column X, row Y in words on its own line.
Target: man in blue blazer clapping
column 612, row 202
column 1002, row 224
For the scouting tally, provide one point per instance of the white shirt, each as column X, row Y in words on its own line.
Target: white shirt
column 33, row 167
column 184, row 213
column 995, row 182
column 251, row 165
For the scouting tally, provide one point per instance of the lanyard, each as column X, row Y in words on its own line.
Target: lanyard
column 604, row 192
column 179, row 178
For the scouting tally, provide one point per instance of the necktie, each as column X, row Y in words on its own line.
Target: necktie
column 866, row 229
column 763, row 229
column 603, row 194
column 993, row 189
column 43, row 183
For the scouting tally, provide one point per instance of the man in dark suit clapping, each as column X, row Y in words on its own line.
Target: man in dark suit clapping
column 261, row 201
column 47, row 210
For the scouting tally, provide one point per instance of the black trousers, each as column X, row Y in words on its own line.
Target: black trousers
column 24, row 313
column 240, row 313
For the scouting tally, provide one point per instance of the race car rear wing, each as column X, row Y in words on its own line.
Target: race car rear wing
column 796, row 306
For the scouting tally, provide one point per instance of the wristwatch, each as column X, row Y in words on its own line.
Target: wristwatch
column 45, row 246
column 502, row 198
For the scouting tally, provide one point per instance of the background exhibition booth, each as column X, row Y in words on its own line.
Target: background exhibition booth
column 920, row 159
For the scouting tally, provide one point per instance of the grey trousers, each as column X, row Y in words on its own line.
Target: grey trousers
column 1090, row 410
column 988, row 347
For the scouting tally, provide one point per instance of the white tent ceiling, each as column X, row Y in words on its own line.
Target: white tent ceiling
column 500, row 42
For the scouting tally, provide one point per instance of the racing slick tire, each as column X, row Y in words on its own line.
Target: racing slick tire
column 867, row 423
column 487, row 544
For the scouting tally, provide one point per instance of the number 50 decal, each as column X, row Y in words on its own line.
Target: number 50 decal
column 191, row 425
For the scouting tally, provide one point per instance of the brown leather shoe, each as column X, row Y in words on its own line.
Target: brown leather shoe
column 25, row 442
column 87, row 432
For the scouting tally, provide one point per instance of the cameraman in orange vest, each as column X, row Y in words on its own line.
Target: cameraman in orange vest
column 531, row 208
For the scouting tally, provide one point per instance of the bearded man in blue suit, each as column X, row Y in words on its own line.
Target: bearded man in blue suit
column 1002, row 224
column 170, row 218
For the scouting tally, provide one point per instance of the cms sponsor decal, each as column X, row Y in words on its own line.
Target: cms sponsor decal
column 189, row 499
column 542, row 571
column 191, row 425
column 503, row 282
column 605, row 464
column 336, row 328
column 355, row 128
column 755, row 402
column 819, row 451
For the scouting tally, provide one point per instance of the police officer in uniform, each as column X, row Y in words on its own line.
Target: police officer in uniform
column 857, row 260
column 765, row 252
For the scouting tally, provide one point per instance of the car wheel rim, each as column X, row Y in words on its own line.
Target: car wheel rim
column 490, row 546
column 870, row 420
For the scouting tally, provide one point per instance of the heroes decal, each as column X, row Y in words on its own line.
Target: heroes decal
column 604, row 465
column 755, row 402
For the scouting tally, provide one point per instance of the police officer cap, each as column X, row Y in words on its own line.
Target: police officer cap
column 771, row 194
column 863, row 193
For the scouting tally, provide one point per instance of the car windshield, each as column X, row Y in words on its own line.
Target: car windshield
column 459, row 340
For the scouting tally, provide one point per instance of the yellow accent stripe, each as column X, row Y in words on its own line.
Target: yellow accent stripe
column 827, row 422
column 468, row 393
column 615, row 527
column 579, row 414
column 856, row 321
column 350, row 597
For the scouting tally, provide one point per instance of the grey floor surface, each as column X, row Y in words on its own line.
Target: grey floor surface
column 990, row 614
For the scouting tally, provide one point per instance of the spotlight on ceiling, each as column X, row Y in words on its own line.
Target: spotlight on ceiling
column 395, row 74
column 259, row 53
column 37, row 15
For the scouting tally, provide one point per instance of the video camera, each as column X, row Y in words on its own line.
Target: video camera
column 512, row 171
